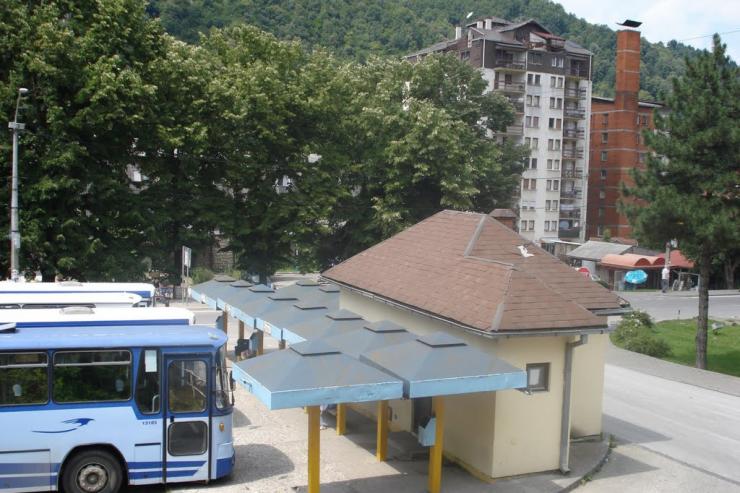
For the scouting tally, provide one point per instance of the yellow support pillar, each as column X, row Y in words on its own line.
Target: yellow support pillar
column 341, row 419
column 435, row 454
column 241, row 329
column 314, row 447
column 382, row 438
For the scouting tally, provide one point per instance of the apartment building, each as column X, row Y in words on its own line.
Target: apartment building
column 617, row 142
column 548, row 80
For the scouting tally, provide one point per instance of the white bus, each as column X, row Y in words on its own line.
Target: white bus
column 79, row 316
column 90, row 409
column 146, row 291
column 26, row 301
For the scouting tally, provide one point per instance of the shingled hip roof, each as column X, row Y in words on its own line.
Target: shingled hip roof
column 468, row 268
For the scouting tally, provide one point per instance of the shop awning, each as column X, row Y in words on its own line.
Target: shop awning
column 628, row 261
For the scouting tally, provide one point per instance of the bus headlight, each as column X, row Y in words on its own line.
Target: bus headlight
column 221, row 426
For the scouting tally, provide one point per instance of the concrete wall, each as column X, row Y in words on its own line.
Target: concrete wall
column 588, row 387
column 527, row 427
column 504, row 433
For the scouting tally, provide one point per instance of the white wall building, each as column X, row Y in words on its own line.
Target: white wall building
column 548, row 80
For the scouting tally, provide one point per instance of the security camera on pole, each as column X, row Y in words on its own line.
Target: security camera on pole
column 15, row 234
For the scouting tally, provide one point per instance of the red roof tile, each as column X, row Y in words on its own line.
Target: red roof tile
column 467, row 268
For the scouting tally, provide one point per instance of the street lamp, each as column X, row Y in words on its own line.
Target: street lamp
column 15, row 234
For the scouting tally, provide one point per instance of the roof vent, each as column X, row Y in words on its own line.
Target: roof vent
column 241, row 284
column 310, row 305
column 306, row 283
column 314, row 348
column 76, row 310
column 343, row 315
column 261, row 288
column 384, row 327
column 441, row 339
column 223, row 278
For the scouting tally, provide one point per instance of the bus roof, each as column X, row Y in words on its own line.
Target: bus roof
column 143, row 289
column 43, row 338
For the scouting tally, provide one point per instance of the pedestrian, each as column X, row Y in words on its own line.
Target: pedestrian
column 323, row 409
column 666, row 276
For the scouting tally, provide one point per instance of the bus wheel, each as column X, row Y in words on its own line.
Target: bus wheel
column 92, row 471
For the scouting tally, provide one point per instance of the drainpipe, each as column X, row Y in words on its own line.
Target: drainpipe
column 565, row 416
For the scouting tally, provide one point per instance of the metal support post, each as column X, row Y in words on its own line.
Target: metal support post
column 314, row 447
column 382, row 438
column 241, row 329
column 435, row 454
column 341, row 419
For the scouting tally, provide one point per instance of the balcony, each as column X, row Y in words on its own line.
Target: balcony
column 516, row 87
column 510, row 64
column 575, row 113
column 572, row 214
column 517, row 103
column 512, row 130
column 577, row 70
column 575, row 193
column 575, row 92
column 572, row 174
column 569, row 232
column 573, row 133
column 572, row 153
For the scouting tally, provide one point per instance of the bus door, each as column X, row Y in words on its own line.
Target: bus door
column 187, row 433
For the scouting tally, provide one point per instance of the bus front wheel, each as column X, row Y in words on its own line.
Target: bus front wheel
column 92, row 471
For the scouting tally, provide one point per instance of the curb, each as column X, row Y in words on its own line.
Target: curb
column 596, row 468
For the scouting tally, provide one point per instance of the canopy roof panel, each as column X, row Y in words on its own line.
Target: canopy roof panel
column 333, row 323
column 312, row 374
column 441, row 364
column 371, row 337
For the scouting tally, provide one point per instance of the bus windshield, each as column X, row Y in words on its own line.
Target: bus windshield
column 222, row 380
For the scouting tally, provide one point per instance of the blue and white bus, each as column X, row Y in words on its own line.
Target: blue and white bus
column 78, row 316
column 146, row 291
column 27, row 301
column 89, row 409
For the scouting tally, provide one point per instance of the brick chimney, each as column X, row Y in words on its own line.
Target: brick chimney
column 505, row 217
column 628, row 69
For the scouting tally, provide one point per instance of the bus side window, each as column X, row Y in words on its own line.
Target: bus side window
column 24, row 379
column 147, row 382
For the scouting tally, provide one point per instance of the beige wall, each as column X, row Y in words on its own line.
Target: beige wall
column 588, row 386
column 526, row 428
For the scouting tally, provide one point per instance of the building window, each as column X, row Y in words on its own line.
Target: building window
column 533, row 79
column 535, row 58
column 532, row 121
column 602, row 194
column 549, row 164
column 531, row 225
column 552, row 81
column 547, row 204
column 560, row 82
column 533, row 163
column 641, row 157
column 554, row 205
column 535, row 143
column 554, row 226
column 555, row 123
column 603, row 174
column 605, row 119
column 556, row 185
column 556, row 164
column 538, row 377
column 547, row 225
column 536, row 102
column 601, row 212
column 523, row 227
column 465, row 55
column 528, row 121
column 643, row 119
column 604, row 137
column 548, row 185
column 604, row 155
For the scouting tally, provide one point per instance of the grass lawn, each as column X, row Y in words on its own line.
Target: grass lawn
column 723, row 347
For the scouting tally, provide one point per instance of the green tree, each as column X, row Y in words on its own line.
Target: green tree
column 689, row 189
column 415, row 137
column 85, row 63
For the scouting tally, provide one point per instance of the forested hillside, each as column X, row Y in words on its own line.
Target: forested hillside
column 360, row 28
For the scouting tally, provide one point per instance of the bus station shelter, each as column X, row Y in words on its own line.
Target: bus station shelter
column 333, row 323
column 208, row 292
column 315, row 372
column 312, row 374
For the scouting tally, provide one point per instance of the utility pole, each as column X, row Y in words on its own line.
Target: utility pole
column 15, row 234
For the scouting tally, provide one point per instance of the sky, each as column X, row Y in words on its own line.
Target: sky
column 664, row 20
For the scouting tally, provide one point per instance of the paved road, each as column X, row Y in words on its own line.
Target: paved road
column 689, row 424
column 678, row 305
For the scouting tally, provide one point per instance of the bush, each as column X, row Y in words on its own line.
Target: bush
column 202, row 274
column 647, row 343
column 626, row 330
column 641, row 317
